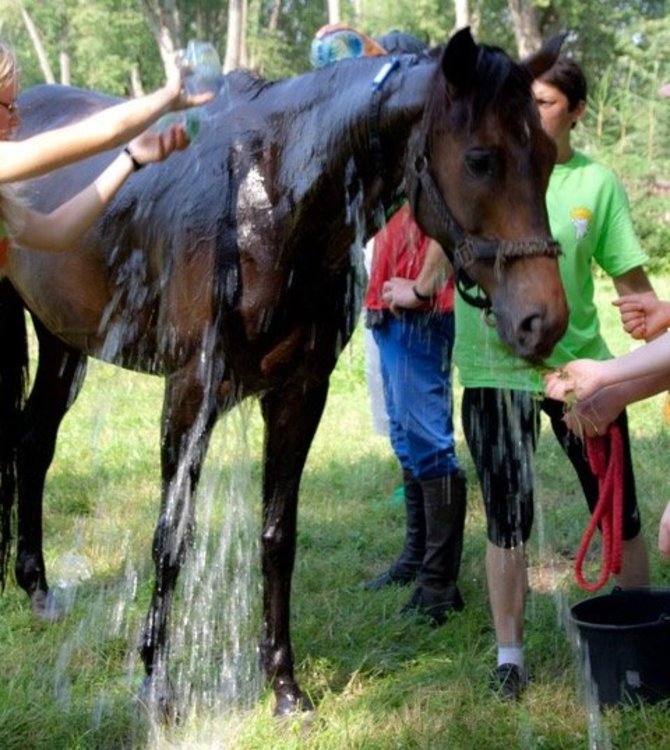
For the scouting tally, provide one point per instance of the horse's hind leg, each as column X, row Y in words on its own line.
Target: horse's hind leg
column 189, row 414
column 58, row 379
column 291, row 417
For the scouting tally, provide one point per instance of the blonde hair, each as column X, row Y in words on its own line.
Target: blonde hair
column 9, row 66
column 12, row 207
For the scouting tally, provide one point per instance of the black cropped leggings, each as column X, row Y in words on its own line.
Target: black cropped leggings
column 501, row 428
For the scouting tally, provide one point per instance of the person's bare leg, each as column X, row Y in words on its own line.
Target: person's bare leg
column 507, row 583
column 634, row 563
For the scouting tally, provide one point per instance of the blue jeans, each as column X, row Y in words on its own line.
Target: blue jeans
column 415, row 352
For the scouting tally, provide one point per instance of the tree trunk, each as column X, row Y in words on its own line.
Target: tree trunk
column 165, row 24
column 36, row 39
column 358, row 13
column 274, row 16
column 64, row 62
column 333, row 11
column 235, row 38
column 526, row 26
column 462, row 14
column 136, row 88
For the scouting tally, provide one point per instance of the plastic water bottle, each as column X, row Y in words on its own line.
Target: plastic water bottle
column 188, row 119
column 203, row 67
column 335, row 46
column 203, row 74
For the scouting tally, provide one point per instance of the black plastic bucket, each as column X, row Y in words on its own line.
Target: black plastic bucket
column 625, row 644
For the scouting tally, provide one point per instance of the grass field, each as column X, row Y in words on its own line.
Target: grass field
column 379, row 680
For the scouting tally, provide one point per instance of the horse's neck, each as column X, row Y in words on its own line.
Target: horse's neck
column 341, row 126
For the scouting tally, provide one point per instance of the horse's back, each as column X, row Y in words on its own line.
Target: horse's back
column 51, row 105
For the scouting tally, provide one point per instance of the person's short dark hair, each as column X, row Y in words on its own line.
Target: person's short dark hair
column 398, row 42
column 568, row 78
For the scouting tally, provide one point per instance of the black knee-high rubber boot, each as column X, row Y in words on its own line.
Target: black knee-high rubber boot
column 406, row 567
column 436, row 593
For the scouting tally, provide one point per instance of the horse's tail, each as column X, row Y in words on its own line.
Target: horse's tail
column 13, row 379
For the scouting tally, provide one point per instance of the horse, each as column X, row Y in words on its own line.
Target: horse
column 232, row 270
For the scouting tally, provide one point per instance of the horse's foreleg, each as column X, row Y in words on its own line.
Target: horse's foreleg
column 58, row 379
column 291, row 417
column 188, row 416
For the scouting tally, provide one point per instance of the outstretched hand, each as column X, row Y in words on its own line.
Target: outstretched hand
column 154, row 146
column 593, row 406
column 643, row 315
column 577, row 380
column 593, row 415
column 177, row 73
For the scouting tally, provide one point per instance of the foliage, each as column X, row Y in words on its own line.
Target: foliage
column 600, row 28
column 103, row 62
column 284, row 51
column 429, row 20
column 624, row 47
column 104, row 37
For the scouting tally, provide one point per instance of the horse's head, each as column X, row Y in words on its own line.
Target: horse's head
column 478, row 172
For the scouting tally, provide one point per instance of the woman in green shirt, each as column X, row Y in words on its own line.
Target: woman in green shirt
column 503, row 395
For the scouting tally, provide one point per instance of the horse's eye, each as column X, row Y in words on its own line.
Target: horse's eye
column 481, row 163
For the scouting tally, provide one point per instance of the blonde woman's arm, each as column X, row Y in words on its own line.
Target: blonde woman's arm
column 58, row 230
column 107, row 129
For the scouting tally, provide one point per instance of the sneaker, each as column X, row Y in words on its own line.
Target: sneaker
column 509, row 681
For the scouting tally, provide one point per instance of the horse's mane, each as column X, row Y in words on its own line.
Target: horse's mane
column 502, row 80
column 501, row 84
column 245, row 82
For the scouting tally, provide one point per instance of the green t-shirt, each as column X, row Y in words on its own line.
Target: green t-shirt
column 590, row 217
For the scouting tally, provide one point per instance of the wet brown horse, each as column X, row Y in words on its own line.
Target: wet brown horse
column 232, row 270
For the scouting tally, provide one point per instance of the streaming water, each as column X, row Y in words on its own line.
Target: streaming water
column 214, row 662
column 555, row 576
column 216, row 614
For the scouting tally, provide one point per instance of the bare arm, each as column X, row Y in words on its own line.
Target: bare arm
column 581, row 378
column 664, row 533
column 634, row 281
column 113, row 126
column 592, row 415
column 58, row 230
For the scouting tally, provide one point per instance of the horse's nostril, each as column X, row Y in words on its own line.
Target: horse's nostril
column 531, row 324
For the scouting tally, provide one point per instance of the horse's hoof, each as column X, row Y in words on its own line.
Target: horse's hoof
column 46, row 606
column 293, row 704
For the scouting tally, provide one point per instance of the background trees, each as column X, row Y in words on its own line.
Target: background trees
column 101, row 42
column 119, row 46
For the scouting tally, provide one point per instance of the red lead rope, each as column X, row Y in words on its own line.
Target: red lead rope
column 605, row 454
column 4, row 250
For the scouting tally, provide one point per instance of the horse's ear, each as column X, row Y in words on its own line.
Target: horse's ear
column 540, row 61
column 459, row 61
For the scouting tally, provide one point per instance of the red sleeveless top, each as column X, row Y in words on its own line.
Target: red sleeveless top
column 399, row 250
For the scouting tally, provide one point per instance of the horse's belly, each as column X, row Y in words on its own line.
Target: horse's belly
column 68, row 292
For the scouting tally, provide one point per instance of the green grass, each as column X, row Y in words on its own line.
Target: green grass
column 380, row 681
